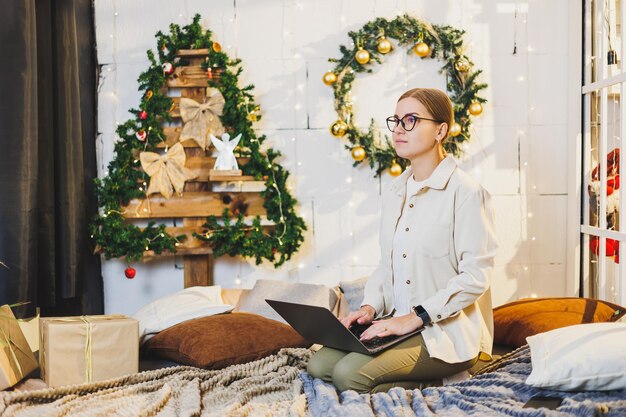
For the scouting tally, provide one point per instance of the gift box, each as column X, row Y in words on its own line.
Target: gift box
column 74, row 350
column 16, row 358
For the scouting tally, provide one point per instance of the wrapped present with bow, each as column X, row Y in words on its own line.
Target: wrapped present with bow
column 74, row 350
column 202, row 119
column 16, row 358
column 167, row 172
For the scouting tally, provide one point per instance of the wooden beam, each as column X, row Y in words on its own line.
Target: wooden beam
column 198, row 268
column 195, row 204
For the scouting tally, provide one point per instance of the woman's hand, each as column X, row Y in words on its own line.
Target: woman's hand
column 395, row 326
column 364, row 315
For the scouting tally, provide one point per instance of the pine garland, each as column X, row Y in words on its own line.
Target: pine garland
column 125, row 180
column 445, row 43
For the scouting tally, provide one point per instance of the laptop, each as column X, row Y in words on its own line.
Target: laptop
column 319, row 325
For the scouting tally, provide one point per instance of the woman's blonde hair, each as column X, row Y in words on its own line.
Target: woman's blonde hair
column 436, row 102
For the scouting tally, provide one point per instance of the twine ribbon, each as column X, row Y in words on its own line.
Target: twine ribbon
column 167, row 172
column 6, row 341
column 202, row 119
column 88, row 350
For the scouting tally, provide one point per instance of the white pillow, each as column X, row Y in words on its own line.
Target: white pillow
column 584, row 357
column 190, row 303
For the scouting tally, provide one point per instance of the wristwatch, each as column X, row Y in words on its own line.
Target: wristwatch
column 422, row 314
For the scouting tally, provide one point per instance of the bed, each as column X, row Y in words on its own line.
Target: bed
column 278, row 385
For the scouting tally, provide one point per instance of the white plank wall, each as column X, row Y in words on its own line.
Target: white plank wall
column 518, row 149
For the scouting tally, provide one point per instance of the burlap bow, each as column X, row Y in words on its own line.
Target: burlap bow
column 202, row 119
column 166, row 171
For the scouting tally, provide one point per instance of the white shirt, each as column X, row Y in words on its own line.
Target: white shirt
column 448, row 262
column 401, row 239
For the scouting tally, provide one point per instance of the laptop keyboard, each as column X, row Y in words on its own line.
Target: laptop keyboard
column 358, row 329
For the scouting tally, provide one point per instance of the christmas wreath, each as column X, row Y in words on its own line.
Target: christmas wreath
column 426, row 41
column 231, row 234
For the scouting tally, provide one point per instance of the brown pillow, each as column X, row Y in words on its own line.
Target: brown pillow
column 221, row 340
column 515, row 321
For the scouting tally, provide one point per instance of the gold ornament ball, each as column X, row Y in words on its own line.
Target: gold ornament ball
column 329, row 78
column 475, row 108
column 395, row 169
column 358, row 153
column 455, row 129
column 339, row 128
column 421, row 49
column 216, row 47
column 362, row 56
column 462, row 65
column 383, row 46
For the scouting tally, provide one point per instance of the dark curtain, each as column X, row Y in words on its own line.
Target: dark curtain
column 47, row 156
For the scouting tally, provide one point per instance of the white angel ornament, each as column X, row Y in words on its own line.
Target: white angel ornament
column 225, row 147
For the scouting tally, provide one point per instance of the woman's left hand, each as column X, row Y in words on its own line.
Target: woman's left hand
column 394, row 326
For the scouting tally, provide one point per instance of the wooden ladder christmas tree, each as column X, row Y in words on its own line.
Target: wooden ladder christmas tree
column 163, row 169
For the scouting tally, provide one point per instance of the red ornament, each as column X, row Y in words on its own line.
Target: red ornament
column 130, row 272
column 143, row 115
column 209, row 73
column 612, row 247
column 141, row 135
column 612, row 162
column 168, row 68
column 274, row 250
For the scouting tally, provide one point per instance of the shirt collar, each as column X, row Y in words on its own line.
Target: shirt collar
column 437, row 180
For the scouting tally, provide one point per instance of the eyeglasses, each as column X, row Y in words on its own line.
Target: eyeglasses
column 408, row 122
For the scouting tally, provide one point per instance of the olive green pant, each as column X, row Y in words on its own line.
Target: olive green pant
column 406, row 364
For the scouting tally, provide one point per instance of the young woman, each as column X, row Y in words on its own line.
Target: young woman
column 437, row 248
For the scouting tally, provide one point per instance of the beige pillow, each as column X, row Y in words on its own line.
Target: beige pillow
column 515, row 321
column 254, row 301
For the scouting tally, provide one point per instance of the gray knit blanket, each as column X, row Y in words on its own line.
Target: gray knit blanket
column 497, row 390
column 266, row 387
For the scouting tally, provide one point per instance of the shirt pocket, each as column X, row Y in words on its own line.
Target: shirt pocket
column 435, row 240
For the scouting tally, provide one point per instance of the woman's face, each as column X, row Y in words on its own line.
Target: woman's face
column 420, row 140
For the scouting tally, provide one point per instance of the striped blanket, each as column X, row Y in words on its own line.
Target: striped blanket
column 498, row 390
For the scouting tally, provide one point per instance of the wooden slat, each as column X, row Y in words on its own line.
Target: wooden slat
column 191, row 245
column 201, row 250
column 192, row 52
column 172, row 135
column 201, row 166
column 193, row 204
column 188, row 76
